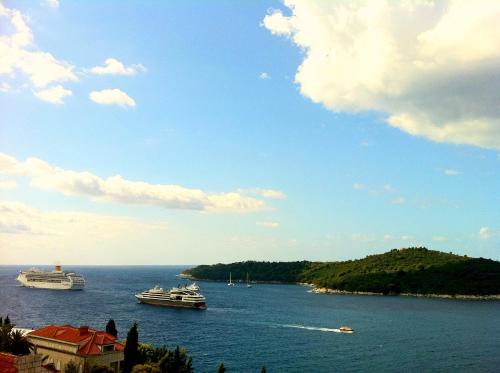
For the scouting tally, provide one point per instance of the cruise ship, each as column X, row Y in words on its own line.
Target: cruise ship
column 175, row 297
column 57, row 279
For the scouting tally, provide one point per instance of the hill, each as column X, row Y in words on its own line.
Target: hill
column 410, row 270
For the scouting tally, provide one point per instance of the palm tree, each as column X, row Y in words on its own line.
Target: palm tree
column 18, row 345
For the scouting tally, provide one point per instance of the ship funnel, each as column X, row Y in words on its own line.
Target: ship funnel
column 58, row 268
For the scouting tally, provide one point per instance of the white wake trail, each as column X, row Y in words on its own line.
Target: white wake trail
column 313, row 328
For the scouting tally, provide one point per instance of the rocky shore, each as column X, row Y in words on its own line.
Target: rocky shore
column 444, row 296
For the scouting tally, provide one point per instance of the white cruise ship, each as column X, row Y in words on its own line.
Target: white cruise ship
column 57, row 279
column 175, row 297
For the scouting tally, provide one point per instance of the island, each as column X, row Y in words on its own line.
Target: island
column 415, row 271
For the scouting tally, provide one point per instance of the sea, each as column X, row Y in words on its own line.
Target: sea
column 285, row 328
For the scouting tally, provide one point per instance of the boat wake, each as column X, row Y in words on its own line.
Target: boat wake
column 330, row 330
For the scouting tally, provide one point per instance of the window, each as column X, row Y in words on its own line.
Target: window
column 108, row 348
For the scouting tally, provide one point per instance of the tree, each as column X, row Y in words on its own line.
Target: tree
column 221, row 368
column 18, row 345
column 71, row 367
column 111, row 328
column 5, row 330
column 131, row 353
column 146, row 368
column 176, row 361
column 13, row 341
column 101, row 369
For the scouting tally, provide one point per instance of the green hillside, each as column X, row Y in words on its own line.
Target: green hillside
column 411, row 270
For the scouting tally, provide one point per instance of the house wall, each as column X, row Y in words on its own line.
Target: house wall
column 62, row 358
column 30, row 364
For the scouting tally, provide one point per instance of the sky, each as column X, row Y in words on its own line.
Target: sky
column 188, row 132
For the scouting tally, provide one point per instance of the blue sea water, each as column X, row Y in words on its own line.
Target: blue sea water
column 282, row 327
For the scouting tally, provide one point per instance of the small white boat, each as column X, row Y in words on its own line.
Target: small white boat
column 230, row 283
column 248, row 282
column 346, row 329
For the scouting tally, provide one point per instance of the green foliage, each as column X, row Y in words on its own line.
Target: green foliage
column 18, row 345
column 13, row 341
column 151, row 354
column 413, row 270
column 101, row 369
column 176, row 361
column 131, row 353
column 146, row 368
column 163, row 359
column 221, row 368
column 71, row 367
column 259, row 271
column 111, row 328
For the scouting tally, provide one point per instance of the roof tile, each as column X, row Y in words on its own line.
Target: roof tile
column 88, row 339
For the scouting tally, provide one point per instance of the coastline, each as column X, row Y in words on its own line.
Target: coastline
column 317, row 290
column 322, row 290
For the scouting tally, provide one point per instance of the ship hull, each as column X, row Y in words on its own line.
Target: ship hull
column 174, row 304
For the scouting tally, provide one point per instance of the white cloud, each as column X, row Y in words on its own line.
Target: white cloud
column 30, row 235
column 114, row 67
column 117, row 189
column 8, row 184
column 363, row 238
column 4, row 87
column 388, row 188
column 18, row 54
column 440, row 238
column 450, row 172
column 358, row 186
column 264, row 76
column 112, row 97
column 53, row 3
column 270, row 193
column 54, row 95
column 431, row 66
column 399, row 201
column 485, row 232
column 375, row 190
column 268, row 224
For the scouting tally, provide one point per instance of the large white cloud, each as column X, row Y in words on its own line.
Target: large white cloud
column 114, row 67
column 28, row 235
column 112, row 97
column 53, row 94
column 432, row 66
column 18, row 54
column 116, row 188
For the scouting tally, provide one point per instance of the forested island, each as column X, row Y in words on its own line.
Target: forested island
column 411, row 271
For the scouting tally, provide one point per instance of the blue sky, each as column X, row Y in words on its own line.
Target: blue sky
column 277, row 152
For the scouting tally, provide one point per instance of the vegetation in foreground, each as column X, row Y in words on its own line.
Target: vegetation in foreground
column 414, row 270
column 13, row 341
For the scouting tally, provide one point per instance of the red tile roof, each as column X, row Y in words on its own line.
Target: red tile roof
column 7, row 363
column 88, row 339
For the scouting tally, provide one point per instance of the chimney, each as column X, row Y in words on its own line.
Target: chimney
column 83, row 330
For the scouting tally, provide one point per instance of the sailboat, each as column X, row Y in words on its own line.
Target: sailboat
column 248, row 282
column 230, row 283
